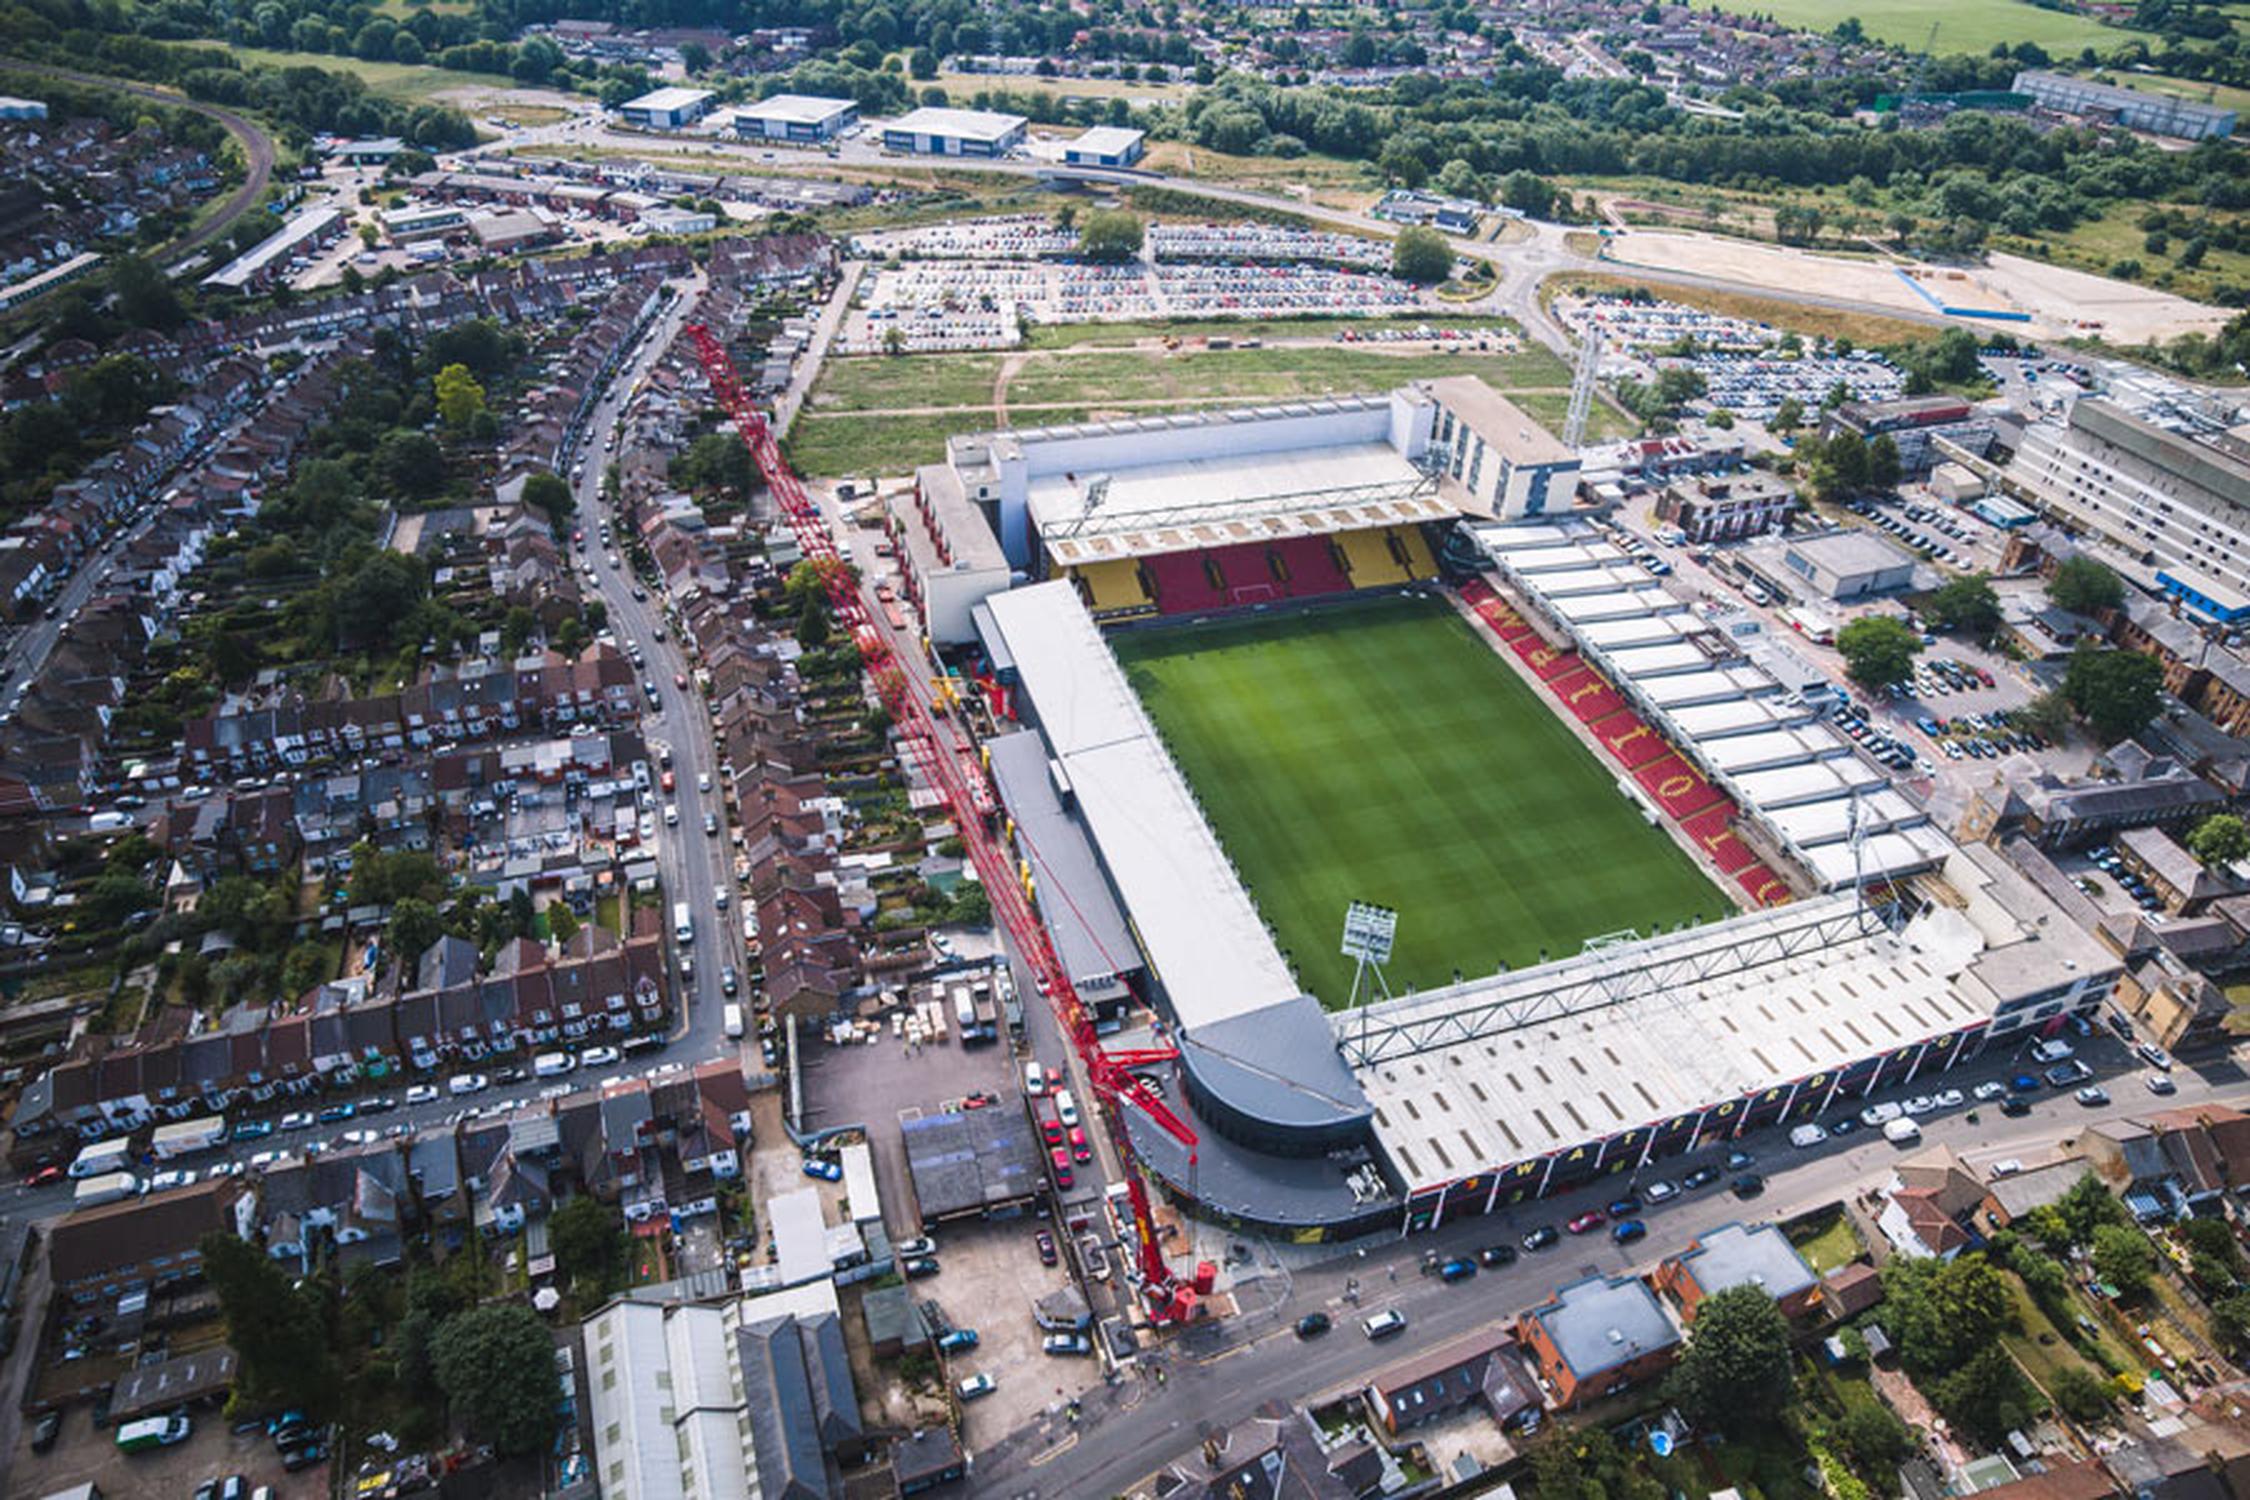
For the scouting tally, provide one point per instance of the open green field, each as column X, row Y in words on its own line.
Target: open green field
column 2225, row 96
column 884, row 414
column 1379, row 751
column 416, row 83
column 1963, row 25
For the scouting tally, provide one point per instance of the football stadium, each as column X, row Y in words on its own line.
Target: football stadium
column 1254, row 666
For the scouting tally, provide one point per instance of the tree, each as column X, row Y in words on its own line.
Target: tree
column 1878, row 650
column 2124, row 1258
column 1874, row 1436
column 2085, row 586
column 1737, row 1368
column 2218, row 840
column 2115, row 692
column 1987, row 1397
column 1788, row 416
column 409, row 463
column 1967, row 604
column 1883, row 464
column 112, row 900
column 548, row 494
column 1110, row 235
column 590, row 1247
column 2230, row 1320
column 2048, row 715
column 414, row 926
column 496, row 1364
column 146, row 297
column 695, row 58
column 1943, row 1312
column 279, row 1337
column 921, row 64
column 459, row 397
column 1422, row 256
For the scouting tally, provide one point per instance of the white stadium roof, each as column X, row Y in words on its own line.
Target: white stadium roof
column 1189, row 909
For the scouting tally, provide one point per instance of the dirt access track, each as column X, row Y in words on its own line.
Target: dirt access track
column 2061, row 303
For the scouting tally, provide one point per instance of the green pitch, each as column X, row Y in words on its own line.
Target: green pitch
column 1381, row 752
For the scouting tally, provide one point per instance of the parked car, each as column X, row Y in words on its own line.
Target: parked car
column 1066, row 1345
column 600, row 1057
column 1749, row 1185
column 297, row 1119
column 1459, row 1268
column 1384, row 1324
column 975, row 1386
column 48, row 1429
column 2015, row 1105
column 1541, row 1238
column 921, row 1244
column 824, row 1169
column 1498, row 1255
column 1312, row 1325
column 1659, row 1191
column 1625, row 1231
column 953, row 1341
column 421, row 1093
column 2093, row 1096
column 1587, row 1222
column 462, row 1084
column 1046, row 1244
column 2161, row 1083
column 1701, row 1177
column 919, row 1267
column 336, row 1114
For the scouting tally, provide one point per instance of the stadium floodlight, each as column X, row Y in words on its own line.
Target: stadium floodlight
column 1368, row 933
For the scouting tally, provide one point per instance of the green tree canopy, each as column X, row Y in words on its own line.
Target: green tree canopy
column 1110, row 235
column 551, row 496
column 2220, row 839
column 1878, row 650
column 2115, row 692
column 1943, row 1312
column 590, row 1246
column 1422, row 256
column 414, row 926
column 1967, row 604
column 459, row 397
column 1737, row 1370
column 279, row 1337
column 2124, row 1258
column 2084, row 586
column 496, row 1364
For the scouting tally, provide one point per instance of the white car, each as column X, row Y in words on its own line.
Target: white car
column 1034, row 1078
column 468, row 1083
column 1919, row 1105
column 1879, row 1114
column 1949, row 1099
column 600, row 1057
column 1991, row 1088
column 421, row 1093
column 359, row 1137
column 297, row 1120
column 178, row 1177
column 2161, row 1083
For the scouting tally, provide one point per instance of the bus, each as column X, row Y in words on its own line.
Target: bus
column 683, row 924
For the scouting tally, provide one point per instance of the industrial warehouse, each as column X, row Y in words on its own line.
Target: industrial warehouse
column 1868, row 948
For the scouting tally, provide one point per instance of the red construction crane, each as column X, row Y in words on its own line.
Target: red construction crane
column 954, row 766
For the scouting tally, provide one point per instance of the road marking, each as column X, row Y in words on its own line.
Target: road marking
column 1048, row 1457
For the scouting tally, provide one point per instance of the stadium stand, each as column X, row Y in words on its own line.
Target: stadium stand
column 1113, row 590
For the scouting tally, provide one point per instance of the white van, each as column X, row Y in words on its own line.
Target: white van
column 1805, row 1137
column 683, row 923
column 2053, row 1050
column 733, row 1015
column 1066, row 1108
column 552, row 1064
column 1902, row 1132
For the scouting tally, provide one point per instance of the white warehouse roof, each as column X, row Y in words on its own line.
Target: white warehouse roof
column 1108, row 140
column 668, row 99
column 961, row 124
column 796, row 109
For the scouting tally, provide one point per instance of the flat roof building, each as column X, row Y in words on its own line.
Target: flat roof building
column 1598, row 1336
column 13, row 108
column 1732, row 1255
column 1106, row 146
column 2180, row 502
column 666, row 109
column 265, row 262
column 16, row 293
column 2158, row 114
column 948, row 558
column 422, row 221
column 932, row 131
column 796, row 117
column 971, row 1164
column 1845, row 564
column 678, row 220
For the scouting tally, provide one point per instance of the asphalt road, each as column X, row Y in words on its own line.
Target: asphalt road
column 1219, row 1376
column 257, row 150
column 692, row 864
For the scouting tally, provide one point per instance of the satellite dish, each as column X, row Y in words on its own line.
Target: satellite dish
column 1660, row 1442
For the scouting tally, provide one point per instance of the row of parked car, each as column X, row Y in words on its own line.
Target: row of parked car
column 2109, row 863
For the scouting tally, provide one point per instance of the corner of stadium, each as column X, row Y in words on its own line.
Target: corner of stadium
column 1822, row 937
